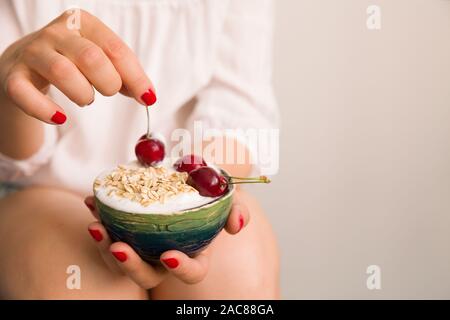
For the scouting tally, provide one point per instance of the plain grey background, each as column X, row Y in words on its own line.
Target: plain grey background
column 365, row 148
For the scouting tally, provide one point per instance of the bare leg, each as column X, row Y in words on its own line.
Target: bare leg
column 242, row 266
column 42, row 232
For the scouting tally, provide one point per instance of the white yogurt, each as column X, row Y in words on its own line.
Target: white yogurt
column 174, row 203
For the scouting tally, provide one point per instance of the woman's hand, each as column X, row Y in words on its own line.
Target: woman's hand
column 120, row 257
column 74, row 61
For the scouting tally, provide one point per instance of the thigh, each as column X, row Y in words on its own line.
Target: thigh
column 242, row 266
column 44, row 231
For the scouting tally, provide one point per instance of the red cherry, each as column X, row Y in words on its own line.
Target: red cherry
column 188, row 163
column 208, row 182
column 149, row 152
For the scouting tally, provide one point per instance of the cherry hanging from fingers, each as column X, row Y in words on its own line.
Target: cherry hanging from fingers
column 149, row 151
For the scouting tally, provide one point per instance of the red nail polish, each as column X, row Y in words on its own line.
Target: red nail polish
column 97, row 235
column 59, row 118
column 241, row 222
column 121, row 256
column 90, row 206
column 149, row 97
column 172, row 263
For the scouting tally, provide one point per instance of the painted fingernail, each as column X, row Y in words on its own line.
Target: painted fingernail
column 149, row 97
column 59, row 118
column 96, row 234
column 172, row 263
column 119, row 255
column 241, row 222
column 90, row 206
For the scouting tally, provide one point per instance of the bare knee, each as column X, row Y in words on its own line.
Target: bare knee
column 47, row 253
column 253, row 254
column 242, row 266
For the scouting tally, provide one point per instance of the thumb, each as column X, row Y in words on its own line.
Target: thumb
column 188, row 270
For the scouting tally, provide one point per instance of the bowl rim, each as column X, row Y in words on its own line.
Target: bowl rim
column 229, row 193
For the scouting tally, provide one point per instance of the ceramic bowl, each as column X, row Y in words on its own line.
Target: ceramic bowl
column 189, row 231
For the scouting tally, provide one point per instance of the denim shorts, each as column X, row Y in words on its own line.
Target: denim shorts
column 7, row 188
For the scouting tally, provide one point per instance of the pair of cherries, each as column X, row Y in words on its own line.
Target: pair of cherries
column 206, row 180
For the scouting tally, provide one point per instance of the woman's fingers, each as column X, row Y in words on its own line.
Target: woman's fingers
column 120, row 257
column 73, row 61
column 103, row 242
column 22, row 88
column 194, row 270
column 188, row 270
column 124, row 60
column 61, row 72
column 238, row 218
column 125, row 91
column 100, row 236
column 90, row 203
column 132, row 265
column 92, row 62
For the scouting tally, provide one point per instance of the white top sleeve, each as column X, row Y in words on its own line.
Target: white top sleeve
column 240, row 93
column 10, row 25
column 11, row 169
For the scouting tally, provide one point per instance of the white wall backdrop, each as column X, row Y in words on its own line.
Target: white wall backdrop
column 365, row 154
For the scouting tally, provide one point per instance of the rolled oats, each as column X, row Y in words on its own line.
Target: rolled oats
column 145, row 185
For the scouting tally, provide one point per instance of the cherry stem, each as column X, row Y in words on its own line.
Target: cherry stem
column 246, row 182
column 148, row 122
column 261, row 179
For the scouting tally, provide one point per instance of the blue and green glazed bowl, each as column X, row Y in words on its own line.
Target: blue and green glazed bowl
column 189, row 231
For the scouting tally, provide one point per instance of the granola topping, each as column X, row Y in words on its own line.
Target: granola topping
column 145, row 185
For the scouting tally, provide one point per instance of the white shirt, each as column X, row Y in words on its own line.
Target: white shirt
column 209, row 60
